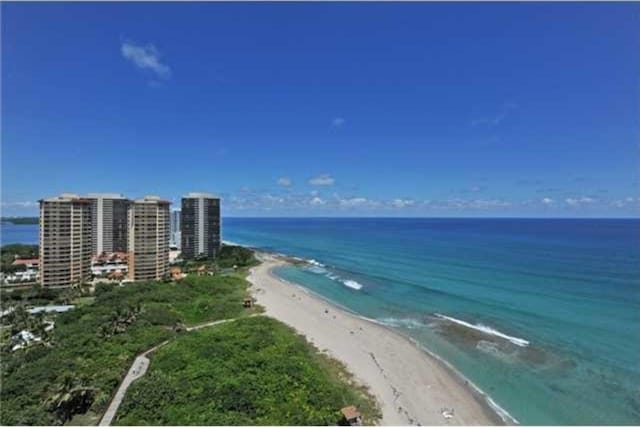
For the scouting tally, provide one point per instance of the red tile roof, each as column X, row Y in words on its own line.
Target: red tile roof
column 31, row 261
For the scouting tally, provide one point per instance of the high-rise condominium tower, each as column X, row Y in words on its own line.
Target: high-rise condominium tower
column 109, row 222
column 175, row 228
column 65, row 240
column 200, row 225
column 148, row 238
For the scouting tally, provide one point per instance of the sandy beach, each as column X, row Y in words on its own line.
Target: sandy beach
column 411, row 386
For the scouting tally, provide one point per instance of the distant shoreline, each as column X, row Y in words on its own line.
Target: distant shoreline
column 21, row 220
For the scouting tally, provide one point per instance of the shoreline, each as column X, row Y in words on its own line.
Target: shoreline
column 405, row 395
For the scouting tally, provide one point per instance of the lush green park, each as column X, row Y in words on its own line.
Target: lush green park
column 256, row 371
column 78, row 366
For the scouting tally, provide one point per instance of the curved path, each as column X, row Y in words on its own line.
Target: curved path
column 141, row 364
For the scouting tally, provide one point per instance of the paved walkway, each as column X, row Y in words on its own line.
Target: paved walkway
column 139, row 368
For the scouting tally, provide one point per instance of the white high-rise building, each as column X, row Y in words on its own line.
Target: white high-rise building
column 109, row 222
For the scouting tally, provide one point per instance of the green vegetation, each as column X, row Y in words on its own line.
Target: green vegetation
column 229, row 257
column 33, row 295
column 255, row 371
column 8, row 254
column 235, row 256
column 251, row 371
column 22, row 220
column 91, row 348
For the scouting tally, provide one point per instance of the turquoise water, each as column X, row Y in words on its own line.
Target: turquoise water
column 555, row 303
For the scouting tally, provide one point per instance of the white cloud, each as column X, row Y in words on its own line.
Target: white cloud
column 402, row 203
column 574, row 201
column 337, row 122
column 284, row 181
column 354, row 201
column 324, row 179
column 317, row 201
column 145, row 58
column 547, row 201
column 626, row 202
column 29, row 204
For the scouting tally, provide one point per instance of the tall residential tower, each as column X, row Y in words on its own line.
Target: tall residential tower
column 148, row 238
column 175, row 229
column 65, row 240
column 200, row 225
column 109, row 218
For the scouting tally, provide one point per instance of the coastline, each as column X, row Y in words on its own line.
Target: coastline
column 412, row 384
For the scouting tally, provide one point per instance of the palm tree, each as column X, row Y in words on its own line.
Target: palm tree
column 69, row 397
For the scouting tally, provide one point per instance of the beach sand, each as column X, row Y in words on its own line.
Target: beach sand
column 411, row 386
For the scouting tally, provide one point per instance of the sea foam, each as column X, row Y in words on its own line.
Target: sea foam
column 352, row 284
column 485, row 329
column 406, row 322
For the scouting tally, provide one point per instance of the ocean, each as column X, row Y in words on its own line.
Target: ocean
column 12, row 233
column 542, row 314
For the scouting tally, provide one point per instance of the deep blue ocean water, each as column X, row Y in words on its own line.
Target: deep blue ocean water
column 542, row 314
column 11, row 233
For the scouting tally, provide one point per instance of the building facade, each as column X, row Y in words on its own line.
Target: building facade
column 200, row 226
column 65, row 240
column 148, row 233
column 175, row 229
column 109, row 223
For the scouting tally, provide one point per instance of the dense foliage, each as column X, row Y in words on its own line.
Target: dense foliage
column 235, row 255
column 92, row 346
column 33, row 295
column 22, row 220
column 9, row 252
column 254, row 371
column 230, row 256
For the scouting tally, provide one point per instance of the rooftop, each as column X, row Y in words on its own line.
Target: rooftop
column 152, row 199
column 105, row 196
column 350, row 412
column 66, row 197
column 200, row 195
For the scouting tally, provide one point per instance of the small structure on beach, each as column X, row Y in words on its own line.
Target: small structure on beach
column 351, row 415
column 248, row 302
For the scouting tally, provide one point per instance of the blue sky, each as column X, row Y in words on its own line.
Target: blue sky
column 326, row 109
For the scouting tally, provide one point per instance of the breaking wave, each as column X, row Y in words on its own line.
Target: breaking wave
column 486, row 330
column 319, row 268
column 352, row 284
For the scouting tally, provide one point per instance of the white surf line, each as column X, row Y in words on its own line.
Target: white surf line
column 486, row 329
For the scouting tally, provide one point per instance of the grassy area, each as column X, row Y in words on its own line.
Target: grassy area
column 91, row 348
column 255, row 371
column 83, row 300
